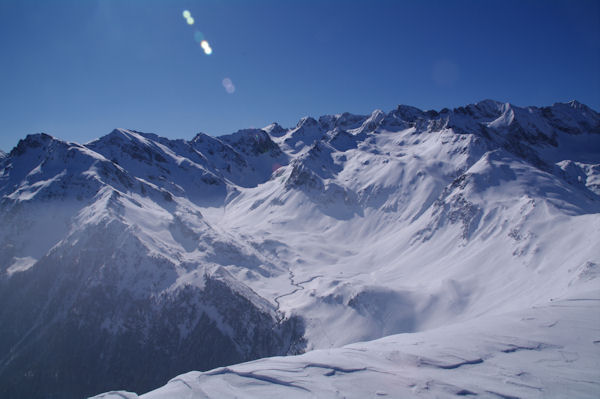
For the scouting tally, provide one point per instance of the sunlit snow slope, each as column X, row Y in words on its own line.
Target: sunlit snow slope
column 473, row 233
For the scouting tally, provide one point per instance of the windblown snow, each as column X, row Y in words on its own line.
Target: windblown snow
column 406, row 254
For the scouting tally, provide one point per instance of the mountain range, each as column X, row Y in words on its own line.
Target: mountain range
column 408, row 253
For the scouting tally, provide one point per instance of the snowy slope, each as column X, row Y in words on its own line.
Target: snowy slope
column 411, row 229
column 121, row 257
column 544, row 352
column 274, row 241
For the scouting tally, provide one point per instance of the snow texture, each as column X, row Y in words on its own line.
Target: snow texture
column 409, row 253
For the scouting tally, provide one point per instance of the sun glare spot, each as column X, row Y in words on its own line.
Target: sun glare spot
column 190, row 21
column 186, row 14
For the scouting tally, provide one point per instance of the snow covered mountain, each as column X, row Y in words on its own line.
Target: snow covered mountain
column 134, row 258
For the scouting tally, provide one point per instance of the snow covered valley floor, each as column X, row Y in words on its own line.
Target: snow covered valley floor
column 409, row 253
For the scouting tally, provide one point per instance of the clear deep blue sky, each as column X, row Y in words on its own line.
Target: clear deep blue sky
column 77, row 69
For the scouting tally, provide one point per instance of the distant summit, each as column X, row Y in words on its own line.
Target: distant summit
column 425, row 252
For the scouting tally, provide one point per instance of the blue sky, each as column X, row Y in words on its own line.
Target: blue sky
column 77, row 69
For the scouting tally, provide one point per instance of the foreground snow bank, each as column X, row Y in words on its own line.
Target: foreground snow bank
column 546, row 351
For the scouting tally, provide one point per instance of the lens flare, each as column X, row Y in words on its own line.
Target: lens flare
column 228, row 85
column 198, row 36
column 206, row 47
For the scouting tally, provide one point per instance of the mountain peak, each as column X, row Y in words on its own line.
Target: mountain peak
column 349, row 121
column 251, row 141
column 37, row 140
column 131, row 135
column 407, row 113
column 251, row 245
column 575, row 104
column 275, row 129
column 307, row 121
column 489, row 106
column 200, row 137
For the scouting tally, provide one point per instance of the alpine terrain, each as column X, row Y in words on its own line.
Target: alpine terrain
column 403, row 254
